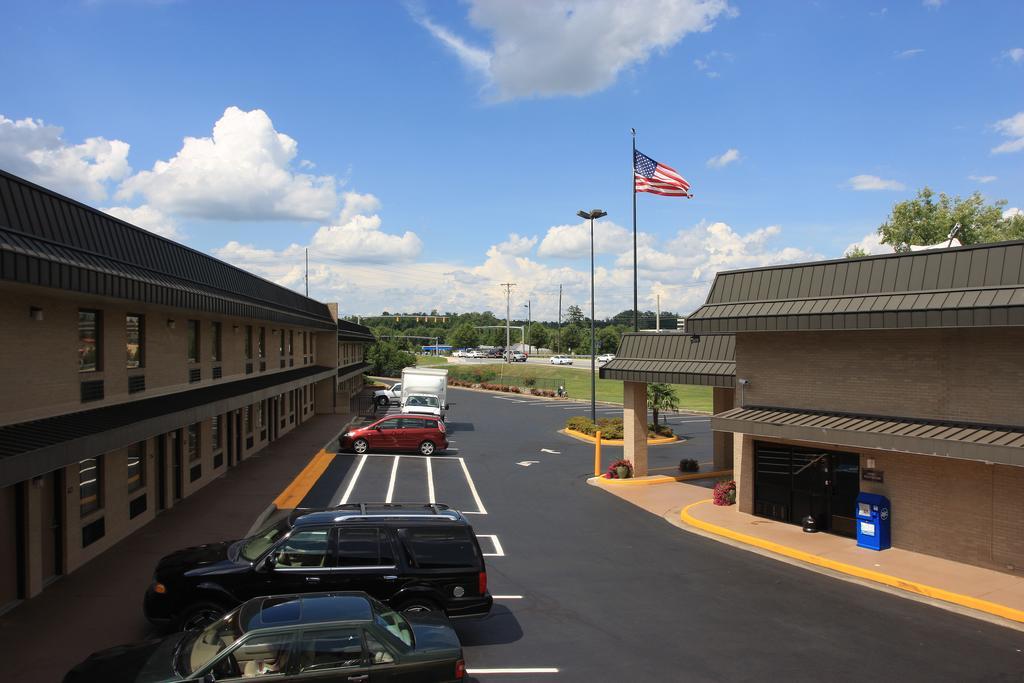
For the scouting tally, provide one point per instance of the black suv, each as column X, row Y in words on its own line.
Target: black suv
column 415, row 557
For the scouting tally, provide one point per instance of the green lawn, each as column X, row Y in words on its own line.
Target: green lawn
column 577, row 383
column 428, row 361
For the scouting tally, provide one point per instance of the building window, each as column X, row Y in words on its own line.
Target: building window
column 90, row 484
column 305, row 343
column 135, row 329
column 215, row 339
column 193, row 341
column 261, row 346
column 137, row 467
column 247, row 420
column 216, row 434
column 280, row 342
column 89, row 349
column 261, row 415
column 192, row 441
column 291, row 342
column 248, row 342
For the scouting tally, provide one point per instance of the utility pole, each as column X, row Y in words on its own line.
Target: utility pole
column 307, row 271
column 657, row 323
column 508, row 313
column 529, row 327
column 558, row 340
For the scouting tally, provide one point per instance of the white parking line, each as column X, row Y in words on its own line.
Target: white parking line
column 430, row 482
column 472, row 488
column 507, row 597
column 498, row 550
column 352, row 484
column 512, row 671
column 394, row 475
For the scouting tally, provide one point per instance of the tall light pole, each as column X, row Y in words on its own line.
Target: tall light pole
column 594, row 213
column 529, row 326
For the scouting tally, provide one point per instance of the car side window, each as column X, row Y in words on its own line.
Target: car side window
column 389, row 424
column 329, row 649
column 303, row 550
column 378, row 653
column 412, row 423
column 364, row 547
column 261, row 656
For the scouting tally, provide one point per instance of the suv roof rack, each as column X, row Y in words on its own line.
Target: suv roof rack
column 418, row 511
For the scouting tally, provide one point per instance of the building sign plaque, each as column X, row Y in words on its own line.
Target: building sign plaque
column 872, row 475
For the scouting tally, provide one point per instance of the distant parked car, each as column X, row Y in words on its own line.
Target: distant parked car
column 312, row 637
column 423, row 433
column 561, row 360
column 517, row 357
column 605, row 357
column 475, row 353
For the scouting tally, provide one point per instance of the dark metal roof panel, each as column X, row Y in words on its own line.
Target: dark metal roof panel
column 674, row 357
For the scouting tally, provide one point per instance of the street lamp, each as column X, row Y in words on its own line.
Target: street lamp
column 529, row 327
column 594, row 213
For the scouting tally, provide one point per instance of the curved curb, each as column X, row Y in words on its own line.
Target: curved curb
column 615, row 442
column 653, row 479
column 851, row 570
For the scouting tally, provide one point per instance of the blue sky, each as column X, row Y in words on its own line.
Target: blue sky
column 405, row 142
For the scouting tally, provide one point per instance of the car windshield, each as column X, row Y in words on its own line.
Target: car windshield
column 209, row 643
column 428, row 401
column 258, row 544
column 393, row 622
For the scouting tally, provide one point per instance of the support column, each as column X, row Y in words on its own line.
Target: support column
column 722, row 399
column 743, row 471
column 33, row 549
column 634, row 421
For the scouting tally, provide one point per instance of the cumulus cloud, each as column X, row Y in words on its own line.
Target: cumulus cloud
column 243, row 171
column 933, row 4
column 1012, row 128
column 707, row 63
column 1015, row 55
column 983, row 178
column 724, row 159
column 871, row 244
column 913, row 52
column 35, row 150
column 573, row 241
column 873, row 182
column 358, row 205
column 148, row 218
column 549, row 49
column 1012, row 212
column 515, row 245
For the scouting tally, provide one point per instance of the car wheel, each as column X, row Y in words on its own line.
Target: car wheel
column 199, row 615
column 360, row 446
column 419, row 606
column 427, row 448
column 383, row 401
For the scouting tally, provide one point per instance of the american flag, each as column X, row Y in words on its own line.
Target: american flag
column 650, row 176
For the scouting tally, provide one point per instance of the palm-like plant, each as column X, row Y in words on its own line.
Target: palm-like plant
column 661, row 397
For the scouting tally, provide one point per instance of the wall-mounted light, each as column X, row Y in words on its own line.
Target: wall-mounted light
column 235, row 328
column 694, row 338
column 744, row 383
column 35, row 312
column 170, row 323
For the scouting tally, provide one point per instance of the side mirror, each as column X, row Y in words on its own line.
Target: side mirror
column 270, row 562
column 446, row 406
column 209, row 677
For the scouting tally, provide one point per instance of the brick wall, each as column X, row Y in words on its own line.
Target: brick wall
column 975, row 375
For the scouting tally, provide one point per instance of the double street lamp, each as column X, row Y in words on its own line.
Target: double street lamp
column 594, row 213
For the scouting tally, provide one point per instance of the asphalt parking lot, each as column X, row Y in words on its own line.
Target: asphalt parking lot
column 589, row 588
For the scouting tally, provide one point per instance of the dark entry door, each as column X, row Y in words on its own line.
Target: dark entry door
column 809, row 486
column 230, row 419
column 161, row 473
column 52, row 517
column 176, row 468
column 843, row 489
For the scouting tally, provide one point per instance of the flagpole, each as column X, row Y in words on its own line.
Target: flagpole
column 636, row 321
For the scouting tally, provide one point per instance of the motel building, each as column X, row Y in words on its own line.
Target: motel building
column 136, row 371
column 900, row 375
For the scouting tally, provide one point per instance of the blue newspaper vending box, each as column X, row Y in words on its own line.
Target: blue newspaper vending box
column 873, row 521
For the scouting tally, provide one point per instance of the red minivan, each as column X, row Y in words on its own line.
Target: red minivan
column 423, row 433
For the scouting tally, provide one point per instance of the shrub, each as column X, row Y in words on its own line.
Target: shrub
column 513, row 390
column 689, row 465
column 724, row 493
column 529, row 381
column 613, row 469
column 660, row 430
column 581, row 424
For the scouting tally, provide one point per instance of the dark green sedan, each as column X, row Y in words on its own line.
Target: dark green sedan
column 309, row 637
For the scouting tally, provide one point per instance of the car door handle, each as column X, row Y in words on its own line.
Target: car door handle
column 312, row 579
column 390, row 578
column 359, row 679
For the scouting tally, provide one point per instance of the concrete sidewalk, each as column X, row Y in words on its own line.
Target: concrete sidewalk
column 982, row 593
column 100, row 605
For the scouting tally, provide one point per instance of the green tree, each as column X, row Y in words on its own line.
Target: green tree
column 575, row 315
column 538, row 336
column 464, row 336
column 387, row 359
column 926, row 219
column 608, row 339
column 855, row 252
column 661, row 397
column 573, row 337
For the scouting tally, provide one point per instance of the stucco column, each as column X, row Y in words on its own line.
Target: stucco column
column 723, row 399
column 743, row 471
column 634, row 421
column 33, row 537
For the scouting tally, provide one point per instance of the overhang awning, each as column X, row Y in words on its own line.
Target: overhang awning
column 987, row 443
column 352, row 370
column 674, row 358
column 29, row 449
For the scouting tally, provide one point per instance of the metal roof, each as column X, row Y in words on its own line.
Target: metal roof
column 979, row 285
column 49, row 240
column 989, row 443
column 28, row 449
column 350, row 331
column 674, row 358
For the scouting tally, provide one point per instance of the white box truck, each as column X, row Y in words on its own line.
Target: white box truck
column 424, row 391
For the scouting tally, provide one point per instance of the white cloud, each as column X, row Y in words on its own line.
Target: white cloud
column 873, row 182
column 515, row 245
column 358, row 205
column 933, row 4
column 148, row 218
column 1012, row 212
column 36, row 151
column 1012, row 128
column 706, row 64
column 571, row 47
column 871, row 244
column 242, row 172
column 1015, row 55
column 573, row 241
column 726, row 158
column 909, row 53
column 983, row 178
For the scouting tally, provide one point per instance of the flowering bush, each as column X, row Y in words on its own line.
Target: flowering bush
column 724, row 493
column 613, row 472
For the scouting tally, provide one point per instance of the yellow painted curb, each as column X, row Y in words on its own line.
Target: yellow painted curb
column 851, row 570
column 615, row 442
column 653, row 479
column 303, row 482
